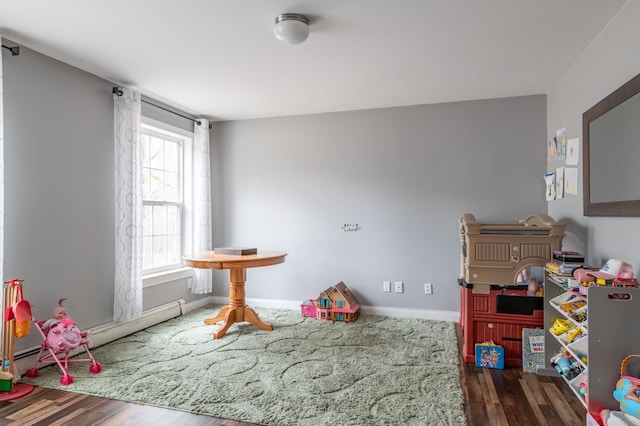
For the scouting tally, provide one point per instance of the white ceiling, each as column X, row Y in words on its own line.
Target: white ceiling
column 219, row 58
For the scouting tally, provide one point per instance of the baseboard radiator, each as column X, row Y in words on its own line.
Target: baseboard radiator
column 105, row 333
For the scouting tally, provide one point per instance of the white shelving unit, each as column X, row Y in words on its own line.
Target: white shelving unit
column 578, row 348
column 610, row 337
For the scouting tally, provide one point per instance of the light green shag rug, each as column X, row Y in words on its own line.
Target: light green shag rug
column 375, row 371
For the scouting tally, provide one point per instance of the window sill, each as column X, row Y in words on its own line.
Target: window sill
column 166, row 277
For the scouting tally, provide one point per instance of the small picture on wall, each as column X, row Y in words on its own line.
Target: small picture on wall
column 571, row 180
column 552, row 149
column 561, row 142
column 559, row 182
column 573, row 152
column 550, row 184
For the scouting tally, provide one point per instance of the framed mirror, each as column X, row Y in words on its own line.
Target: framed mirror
column 611, row 153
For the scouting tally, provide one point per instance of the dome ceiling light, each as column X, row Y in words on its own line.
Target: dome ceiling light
column 291, row 28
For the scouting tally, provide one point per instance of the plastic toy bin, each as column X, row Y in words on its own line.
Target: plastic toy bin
column 497, row 314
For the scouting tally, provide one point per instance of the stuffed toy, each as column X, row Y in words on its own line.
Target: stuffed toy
column 61, row 331
column 59, row 313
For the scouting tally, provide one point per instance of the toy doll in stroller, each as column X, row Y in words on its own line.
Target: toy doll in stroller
column 60, row 337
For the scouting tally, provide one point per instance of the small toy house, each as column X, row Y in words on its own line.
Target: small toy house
column 309, row 308
column 336, row 303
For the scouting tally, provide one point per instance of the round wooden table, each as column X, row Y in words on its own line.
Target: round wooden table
column 236, row 310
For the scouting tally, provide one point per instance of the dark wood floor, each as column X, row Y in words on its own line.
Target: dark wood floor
column 514, row 397
column 492, row 397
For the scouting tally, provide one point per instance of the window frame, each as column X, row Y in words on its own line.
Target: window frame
column 179, row 271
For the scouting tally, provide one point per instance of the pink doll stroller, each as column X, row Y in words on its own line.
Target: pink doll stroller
column 61, row 336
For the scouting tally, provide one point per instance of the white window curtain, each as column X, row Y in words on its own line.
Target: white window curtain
column 1, row 171
column 202, row 230
column 128, row 274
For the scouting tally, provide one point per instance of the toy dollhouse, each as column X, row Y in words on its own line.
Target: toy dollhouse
column 336, row 303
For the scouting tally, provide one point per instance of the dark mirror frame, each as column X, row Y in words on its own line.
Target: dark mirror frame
column 614, row 208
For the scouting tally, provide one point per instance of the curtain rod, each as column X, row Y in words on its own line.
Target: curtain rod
column 15, row 50
column 118, row 91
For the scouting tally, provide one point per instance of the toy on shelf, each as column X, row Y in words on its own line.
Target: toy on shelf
column 583, row 358
column 336, row 303
column 573, row 334
column 614, row 273
column 628, row 390
column 60, row 337
column 578, row 316
column 583, row 388
column 566, row 365
column 14, row 307
column 573, row 304
column 560, row 326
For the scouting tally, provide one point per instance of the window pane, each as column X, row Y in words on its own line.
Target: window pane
column 162, row 182
column 155, row 185
column 159, row 220
column 173, row 249
column 158, row 256
column 173, row 220
column 171, row 156
column 146, row 187
column 156, row 159
column 171, row 189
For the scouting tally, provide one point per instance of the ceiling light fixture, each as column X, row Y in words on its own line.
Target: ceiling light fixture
column 291, row 28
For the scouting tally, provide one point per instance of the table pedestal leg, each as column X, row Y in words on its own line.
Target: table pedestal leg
column 219, row 316
column 236, row 310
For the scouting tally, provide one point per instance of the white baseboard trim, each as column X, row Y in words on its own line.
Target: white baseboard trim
column 451, row 316
column 200, row 303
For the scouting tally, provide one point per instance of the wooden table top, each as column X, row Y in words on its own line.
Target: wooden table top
column 211, row 260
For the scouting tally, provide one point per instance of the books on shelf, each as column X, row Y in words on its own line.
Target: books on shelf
column 562, row 268
column 568, row 256
column 564, row 262
column 236, row 251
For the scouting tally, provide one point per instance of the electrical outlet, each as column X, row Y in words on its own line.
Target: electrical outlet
column 386, row 286
column 399, row 287
column 428, row 288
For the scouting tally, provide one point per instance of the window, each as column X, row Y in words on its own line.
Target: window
column 165, row 189
column 340, row 303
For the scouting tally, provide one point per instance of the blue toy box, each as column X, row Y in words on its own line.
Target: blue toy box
column 489, row 355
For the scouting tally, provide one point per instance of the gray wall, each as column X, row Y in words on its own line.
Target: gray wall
column 405, row 175
column 59, row 196
column 610, row 61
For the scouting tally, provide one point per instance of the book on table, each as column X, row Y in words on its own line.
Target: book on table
column 237, row 251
